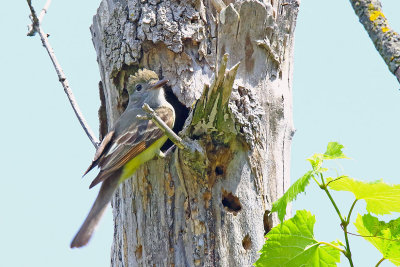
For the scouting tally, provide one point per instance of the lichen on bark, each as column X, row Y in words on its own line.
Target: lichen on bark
column 204, row 209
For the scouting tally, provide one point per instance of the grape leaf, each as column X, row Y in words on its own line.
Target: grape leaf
column 381, row 197
column 387, row 239
column 316, row 161
column 298, row 187
column 334, row 151
column 293, row 244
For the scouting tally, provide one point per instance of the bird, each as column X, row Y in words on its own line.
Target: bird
column 130, row 143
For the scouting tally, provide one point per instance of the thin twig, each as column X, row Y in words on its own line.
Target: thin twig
column 61, row 76
column 163, row 126
column 31, row 28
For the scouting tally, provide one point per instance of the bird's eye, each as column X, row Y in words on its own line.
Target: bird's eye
column 138, row 87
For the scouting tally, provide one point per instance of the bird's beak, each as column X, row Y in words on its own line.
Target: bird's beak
column 159, row 84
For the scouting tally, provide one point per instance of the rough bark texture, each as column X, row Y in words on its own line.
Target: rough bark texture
column 219, row 216
column 385, row 39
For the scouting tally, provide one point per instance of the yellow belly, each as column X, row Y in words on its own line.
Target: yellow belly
column 132, row 165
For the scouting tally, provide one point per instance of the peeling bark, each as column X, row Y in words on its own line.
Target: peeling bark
column 219, row 215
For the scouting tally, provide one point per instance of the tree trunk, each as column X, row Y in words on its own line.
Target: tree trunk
column 210, row 207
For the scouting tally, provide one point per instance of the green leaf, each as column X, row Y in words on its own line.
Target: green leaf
column 386, row 235
column 381, row 197
column 316, row 161
column 334, row 151
column 298, row 187
column 293, row 244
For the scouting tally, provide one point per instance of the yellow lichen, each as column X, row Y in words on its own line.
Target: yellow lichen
column 385, row 29
column 375, row 15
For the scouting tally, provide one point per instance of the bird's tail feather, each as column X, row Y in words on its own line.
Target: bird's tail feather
column 106, row 192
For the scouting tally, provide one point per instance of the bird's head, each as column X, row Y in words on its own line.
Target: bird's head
column 145, row 87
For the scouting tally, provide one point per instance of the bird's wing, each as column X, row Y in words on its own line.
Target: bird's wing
column 131, row 142
column 100, row 150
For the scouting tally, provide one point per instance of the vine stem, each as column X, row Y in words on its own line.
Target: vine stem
column 343, row 222
column 350, row 211
column 379, row 262
column 325, row 188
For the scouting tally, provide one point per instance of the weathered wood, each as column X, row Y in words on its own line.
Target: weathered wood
column 243, row 134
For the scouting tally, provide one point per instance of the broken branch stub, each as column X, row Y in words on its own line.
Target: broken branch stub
column 211, row 113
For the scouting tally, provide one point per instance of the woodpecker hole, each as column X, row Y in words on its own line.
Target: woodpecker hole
column 219, row 157
column 246, row 242
column 181, row 114
column 230, row 202
column 219, row 170
column 268, row 223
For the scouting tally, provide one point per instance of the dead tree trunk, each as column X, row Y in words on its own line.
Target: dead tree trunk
column 208, row 208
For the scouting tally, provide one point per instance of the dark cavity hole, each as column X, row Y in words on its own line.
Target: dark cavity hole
column 231, row 202
column 181, row 114
column 246, row 242
column 268, row 223
column 219, row 170
column 125, row 99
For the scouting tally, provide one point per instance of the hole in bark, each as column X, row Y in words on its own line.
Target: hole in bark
column 268, row 224
column 181, row 114
column 219, row 170
column 280, row 75
column 246, row 242
column 242, row 91
column 124, row 100
column 231, row 202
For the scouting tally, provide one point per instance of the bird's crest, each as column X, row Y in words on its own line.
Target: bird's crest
column 142, row 76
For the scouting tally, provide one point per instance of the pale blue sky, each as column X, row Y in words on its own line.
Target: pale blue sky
column 342, row 91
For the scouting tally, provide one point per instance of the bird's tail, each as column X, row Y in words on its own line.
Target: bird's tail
column 106, row 192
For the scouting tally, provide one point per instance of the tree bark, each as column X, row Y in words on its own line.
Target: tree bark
column 209, row 207
column 385, row 39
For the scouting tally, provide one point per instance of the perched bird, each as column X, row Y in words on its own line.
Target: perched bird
column 128, row 145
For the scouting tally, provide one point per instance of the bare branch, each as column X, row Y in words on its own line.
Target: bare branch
column 61, row 76
column 386, row 41
column 31, row 28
